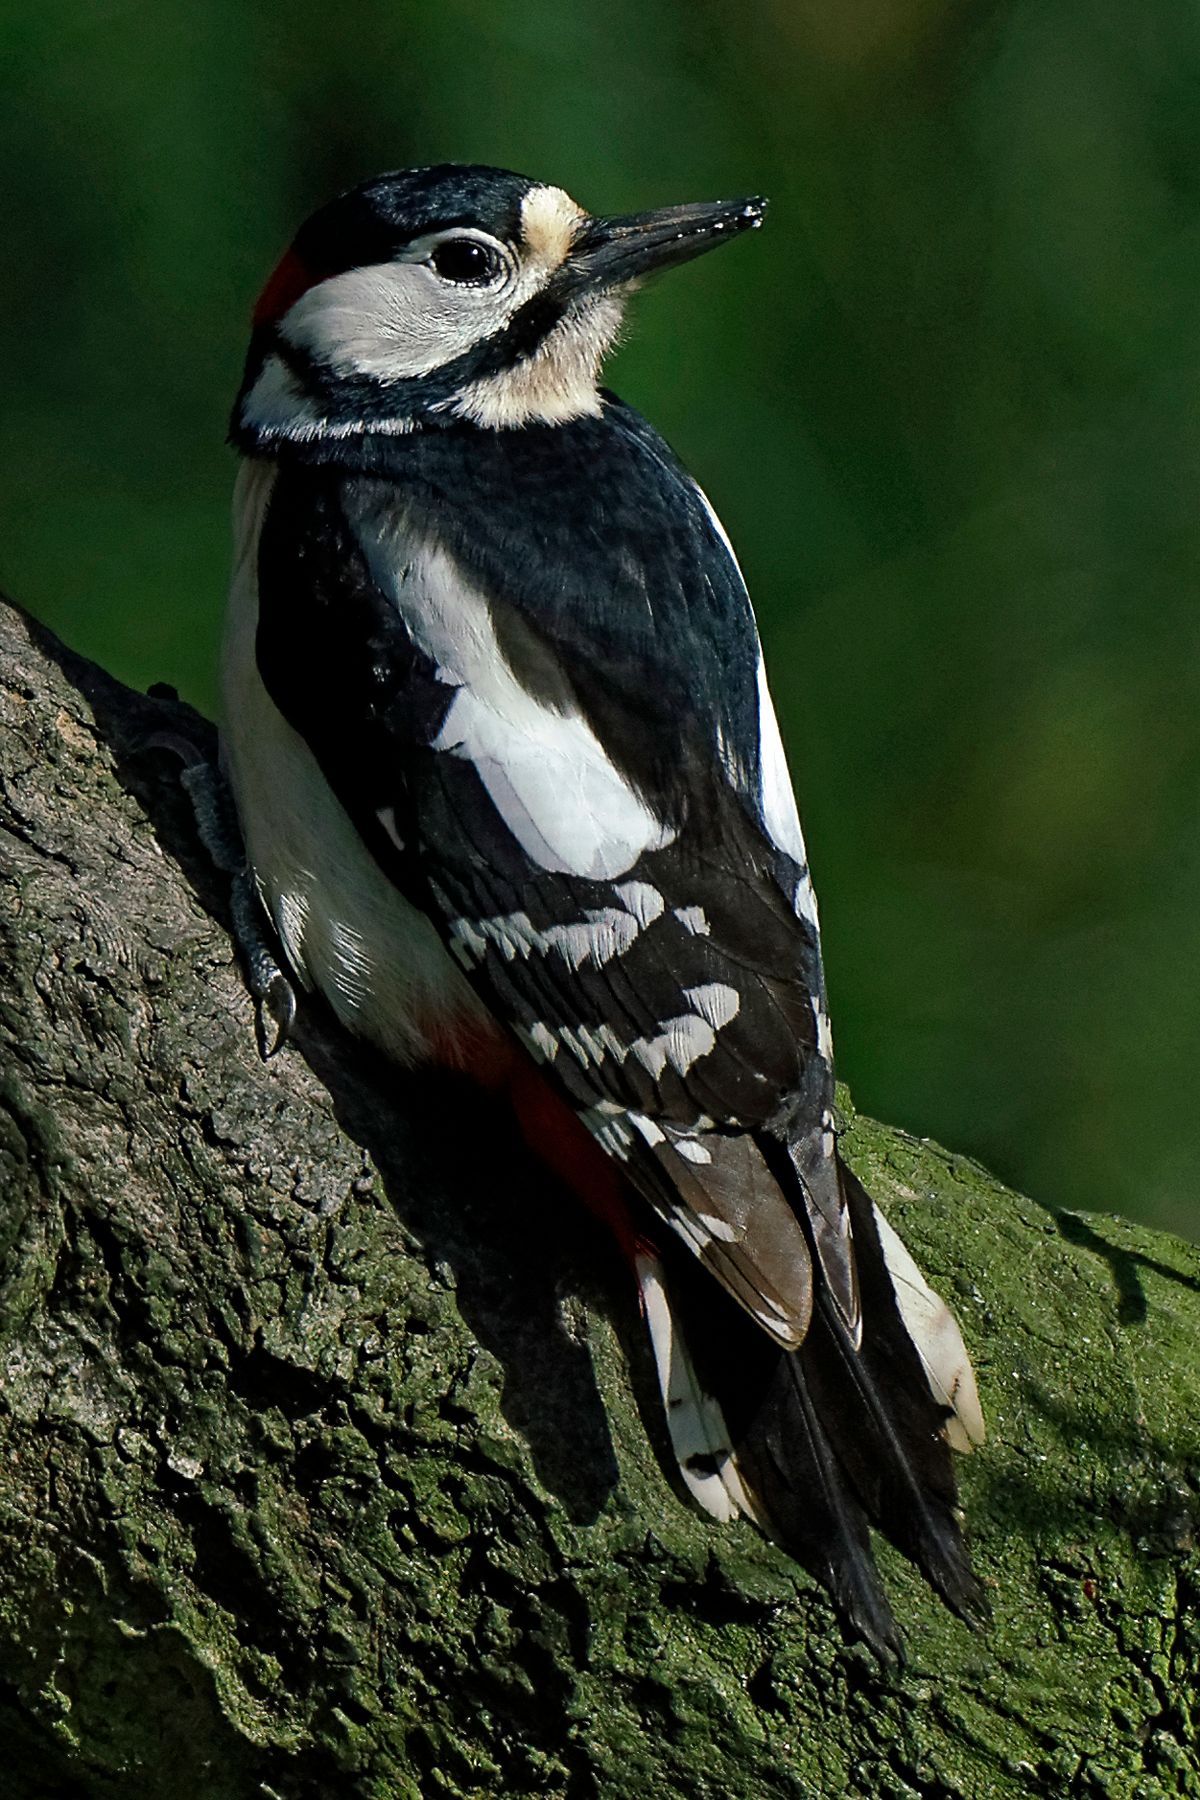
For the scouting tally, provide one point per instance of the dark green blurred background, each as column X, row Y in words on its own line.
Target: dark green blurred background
column 946, row 404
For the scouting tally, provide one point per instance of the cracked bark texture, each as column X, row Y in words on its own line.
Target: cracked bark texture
column 327, row 1462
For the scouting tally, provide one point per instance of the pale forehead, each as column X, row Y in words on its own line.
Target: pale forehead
column 549, row 221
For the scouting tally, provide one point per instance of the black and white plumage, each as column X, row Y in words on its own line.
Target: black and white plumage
column 504, row 755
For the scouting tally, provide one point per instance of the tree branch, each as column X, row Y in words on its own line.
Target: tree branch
column 322, row 1470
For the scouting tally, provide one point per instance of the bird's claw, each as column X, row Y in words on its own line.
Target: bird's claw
column 219, row 831
column 274, row 995
column 274, row 1015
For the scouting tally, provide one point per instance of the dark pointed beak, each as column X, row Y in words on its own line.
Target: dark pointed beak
column 610, row 252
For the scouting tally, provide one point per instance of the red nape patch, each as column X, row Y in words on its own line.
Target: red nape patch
column 292, row 277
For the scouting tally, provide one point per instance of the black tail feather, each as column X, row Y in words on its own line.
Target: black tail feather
column 894, row 1450
column 789, row 1465
column 831, row 1439
column 781, row 1447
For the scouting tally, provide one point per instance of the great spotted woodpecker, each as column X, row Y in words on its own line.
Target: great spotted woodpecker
column 514, row 797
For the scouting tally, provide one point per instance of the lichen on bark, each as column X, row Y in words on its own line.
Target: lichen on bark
column 328, row 1446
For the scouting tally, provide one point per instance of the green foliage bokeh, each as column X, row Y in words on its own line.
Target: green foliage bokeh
column 946, row 404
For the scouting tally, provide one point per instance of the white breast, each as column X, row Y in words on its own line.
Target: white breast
column 346, row 929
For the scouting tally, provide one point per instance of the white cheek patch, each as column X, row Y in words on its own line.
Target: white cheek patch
column 547, row 774
column 393, row 321
column 400, row 320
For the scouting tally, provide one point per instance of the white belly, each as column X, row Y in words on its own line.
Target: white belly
column 346, row 930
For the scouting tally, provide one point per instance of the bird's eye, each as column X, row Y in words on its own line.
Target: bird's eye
column 466, row 260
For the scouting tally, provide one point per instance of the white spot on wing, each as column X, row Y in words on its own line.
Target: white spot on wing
column 610, row 1131
column 542, row 1042
column 693, row 919
column 684, row 1041
column 602, row 933
column 652, row 1132
column 642, row 900
column 468, row 945
column 651, row 1053
column 693, row 1150
column 688, row 1039
column 571, row 1037
column 716, row 1001
column 607, row 1038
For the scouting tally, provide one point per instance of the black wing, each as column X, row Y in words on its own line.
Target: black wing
column 534, row 653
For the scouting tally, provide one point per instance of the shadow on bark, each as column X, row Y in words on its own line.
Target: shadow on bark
column 323, row 1471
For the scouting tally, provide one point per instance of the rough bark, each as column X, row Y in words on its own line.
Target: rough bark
column 324, row 1466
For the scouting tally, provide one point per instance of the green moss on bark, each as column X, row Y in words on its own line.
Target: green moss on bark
column 323, row 1467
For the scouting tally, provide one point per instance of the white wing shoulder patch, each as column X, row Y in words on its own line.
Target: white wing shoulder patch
column 545, row 771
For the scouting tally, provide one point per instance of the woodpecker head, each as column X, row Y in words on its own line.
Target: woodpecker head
column 450, row 294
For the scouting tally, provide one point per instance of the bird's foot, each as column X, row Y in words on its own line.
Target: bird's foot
column 219, row 831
